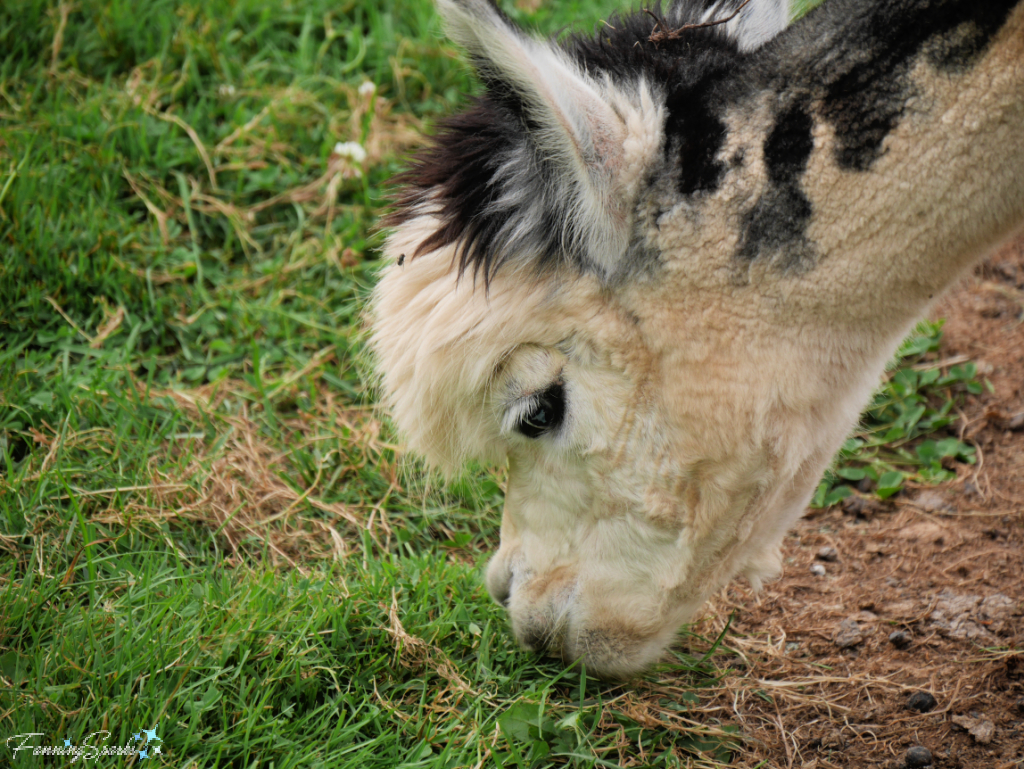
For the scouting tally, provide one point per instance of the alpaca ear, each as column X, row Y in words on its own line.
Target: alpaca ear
column 574, row 129
column 758, row 22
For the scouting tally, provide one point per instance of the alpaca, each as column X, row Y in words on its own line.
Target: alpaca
column 659, row 271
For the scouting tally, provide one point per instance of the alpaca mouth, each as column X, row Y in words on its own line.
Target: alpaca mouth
column 552, row 615
column 615, row 651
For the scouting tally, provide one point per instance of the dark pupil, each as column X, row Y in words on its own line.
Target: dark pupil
column 546, row 415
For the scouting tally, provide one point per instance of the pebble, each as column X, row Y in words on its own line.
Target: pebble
column 922, row 702
column 1020, row 706
column 917, row 757
column 817, row 570
column 856, row 505
column 931, row 501
column 829, row 554
column 900, row 639
column 848, row 634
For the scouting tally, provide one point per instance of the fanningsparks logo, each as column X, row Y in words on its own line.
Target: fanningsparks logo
column 93, row 747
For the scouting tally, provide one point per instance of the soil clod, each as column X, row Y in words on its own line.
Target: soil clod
column 981, row 729
column 848, row 634
column 922, row 702
column 917, row 757
column 971, row 617
column 900, row 639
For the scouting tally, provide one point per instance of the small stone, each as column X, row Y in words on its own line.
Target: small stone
column 856, row 505
column 817, row 570
column 828, row 554
column 1016, row 423
column 917, row 757
column 922, row 702
column 848, row 634
column 1020, row 706
column 984, row 368
column 931, row 502
column 900, row 639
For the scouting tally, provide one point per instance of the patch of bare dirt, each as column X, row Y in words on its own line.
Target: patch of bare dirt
column 900, row 626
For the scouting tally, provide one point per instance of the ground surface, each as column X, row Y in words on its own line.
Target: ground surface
column 944, row 564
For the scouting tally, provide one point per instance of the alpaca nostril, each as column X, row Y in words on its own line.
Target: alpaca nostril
column 499, row 581
column 502, row 594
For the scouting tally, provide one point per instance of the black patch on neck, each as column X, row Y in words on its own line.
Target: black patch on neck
column 789, row 146
column 866, row 94
column 776, row 227
column 695, row 135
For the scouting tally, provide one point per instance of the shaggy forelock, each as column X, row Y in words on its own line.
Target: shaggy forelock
column 438, row 361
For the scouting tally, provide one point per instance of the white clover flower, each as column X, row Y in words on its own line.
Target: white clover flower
column 367, row 89
column 352, row 150
column 226, row 90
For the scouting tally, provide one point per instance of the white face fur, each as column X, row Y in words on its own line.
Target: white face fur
column 665, row 424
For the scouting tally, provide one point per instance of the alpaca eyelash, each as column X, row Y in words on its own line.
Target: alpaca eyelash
column 537, row 414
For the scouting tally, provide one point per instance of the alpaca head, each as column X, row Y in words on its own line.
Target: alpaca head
column 656, row 279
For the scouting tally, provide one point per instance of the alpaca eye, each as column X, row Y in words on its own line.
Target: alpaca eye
column 547, row 413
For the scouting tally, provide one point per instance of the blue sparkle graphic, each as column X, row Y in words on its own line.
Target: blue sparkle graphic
column 143, row 754
column 67, row 743
column 151, row 735
column 137, row 737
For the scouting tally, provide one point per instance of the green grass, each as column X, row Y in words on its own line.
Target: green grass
column 904, row 433
column 204, row 525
